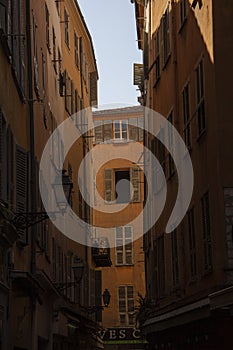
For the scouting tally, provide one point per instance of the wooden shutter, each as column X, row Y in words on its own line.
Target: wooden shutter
column 108, row 184
column 128, row 245
column 21, row 186
column 93, row 89
column 10, row 167
column 2, row 156
column 98, row 131
column 119, row 246
column 98, row 294
column 135, row 180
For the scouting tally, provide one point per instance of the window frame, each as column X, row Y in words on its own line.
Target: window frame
column 122, row 249
column 121, row 131
column 200, row 97
column 126, row 300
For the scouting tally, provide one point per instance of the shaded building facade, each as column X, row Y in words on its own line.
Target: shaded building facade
column 186, row 77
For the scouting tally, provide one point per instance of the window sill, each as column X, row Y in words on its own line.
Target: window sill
column 124, row 265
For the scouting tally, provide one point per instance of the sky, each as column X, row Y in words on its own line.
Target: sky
column 112, row 26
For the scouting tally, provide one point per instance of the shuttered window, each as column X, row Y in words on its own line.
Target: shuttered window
column 126, row 305
column 207, row 241
column 18, row 43
column 200, row 96
column 93, row 89
column 21, row 187
column 3, row 163
column 108, row 178
column 124, row 245
column 166, row 44
column 7, row 150
column 98, row 295
column 175, row 260
column 186, row 115
column 66, row 26
column 76, row 50
column 135, row 180
column 192, row 243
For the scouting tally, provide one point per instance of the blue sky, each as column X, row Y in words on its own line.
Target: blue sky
column 113, row 30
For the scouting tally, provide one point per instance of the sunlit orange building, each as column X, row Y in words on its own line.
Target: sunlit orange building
column 123, row 271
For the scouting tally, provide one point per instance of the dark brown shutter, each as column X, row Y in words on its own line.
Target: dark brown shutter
column 2, row 156
column 98, row 294
column 21, row 186
column 93, row 89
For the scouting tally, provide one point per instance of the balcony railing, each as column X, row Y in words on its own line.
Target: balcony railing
column 101, row 252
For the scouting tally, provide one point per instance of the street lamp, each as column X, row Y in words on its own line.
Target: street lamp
column 106, row 297
column 64, row 183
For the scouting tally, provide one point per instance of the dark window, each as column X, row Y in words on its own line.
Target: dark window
column 124, row 195
column 192, row 243
column 47, row 27
column 157, row 56
column 76, row 50
column 166, row 36
column 186, row 115
column 66, row 24
column 207, row 244
column 200, row 98
column 160, row 265
column 183, row 11
column 54, row 51
column 175, row 260
column 171, row 164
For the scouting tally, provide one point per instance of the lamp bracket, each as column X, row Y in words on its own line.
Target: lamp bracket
column 26, row 220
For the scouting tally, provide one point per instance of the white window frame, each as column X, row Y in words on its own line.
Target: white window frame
column 126, row 238
column 126, row 313
column 121, row 131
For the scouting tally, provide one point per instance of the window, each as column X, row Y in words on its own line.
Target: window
column 68, row 93
column 18, row 44
column 66, row 23
column 157, row 57
column 171, row 164
column 175, row 261
column 35, row 60
column 76, row 52
column 112, row 177
column 192, row 243
column 160, row 266
column 47, row 27
column 207, row 244
column 121, row 129
column 122, row 194
column 183, row 11
column 21, row 187
column 126, row 305
column 6, row 162
column 166, row 36
column 103, row 130
column 93, row 80
column 124, row 245
column 200, row 98
column 186, row 115
column 54, row 51
column 136, row 129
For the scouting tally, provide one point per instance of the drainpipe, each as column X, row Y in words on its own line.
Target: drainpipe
column 31, row 202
